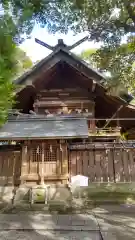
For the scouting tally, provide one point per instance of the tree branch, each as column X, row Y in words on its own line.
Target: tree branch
column 128, row 28
column 131, row 11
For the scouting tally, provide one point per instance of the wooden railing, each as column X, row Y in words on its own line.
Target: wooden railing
column 104, row 131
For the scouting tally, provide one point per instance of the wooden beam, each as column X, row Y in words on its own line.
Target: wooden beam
column 78, row 43
column 93, row 86
column 61, row 44
column 24, row 161
column 59, row 103
column 35, row 176
column 42, row 166
column 64, row 160
column 121, row 106
column 44, row 44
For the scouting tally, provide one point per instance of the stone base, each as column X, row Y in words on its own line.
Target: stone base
column 60, row 198
column 98, row 193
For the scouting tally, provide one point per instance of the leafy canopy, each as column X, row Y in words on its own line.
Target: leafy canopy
column 12, row 62
column 117, row 64
column 106, row 21
column 7, row 67
column 22, row 62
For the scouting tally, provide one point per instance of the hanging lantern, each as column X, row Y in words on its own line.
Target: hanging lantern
column 51, row 148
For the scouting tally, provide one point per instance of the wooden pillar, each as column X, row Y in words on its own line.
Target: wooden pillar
column 24, row 162
column 59, row 149
column 42, row 166
column 64, row 159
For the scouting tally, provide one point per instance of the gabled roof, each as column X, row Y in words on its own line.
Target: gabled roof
column 61, row 53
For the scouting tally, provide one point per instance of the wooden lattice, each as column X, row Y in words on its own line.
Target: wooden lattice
column 37, row 154
column 49, row 152
column 50, row 155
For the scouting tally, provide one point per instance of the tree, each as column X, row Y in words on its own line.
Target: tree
column 116, row 64
column 118, row 61
column 105, row 20
column 88, row 56
column 12, row 61
column 7, row 67
column 22, row 62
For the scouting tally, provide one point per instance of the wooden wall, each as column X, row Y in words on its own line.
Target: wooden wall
column 106, row 165
column 10, row 167
column 64, row 101
column 44, row 161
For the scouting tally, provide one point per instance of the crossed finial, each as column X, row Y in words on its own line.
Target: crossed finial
column 61, row 44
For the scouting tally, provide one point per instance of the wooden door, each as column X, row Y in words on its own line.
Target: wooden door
column 47, row 158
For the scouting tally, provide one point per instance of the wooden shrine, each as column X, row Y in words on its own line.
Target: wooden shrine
column 65, row 124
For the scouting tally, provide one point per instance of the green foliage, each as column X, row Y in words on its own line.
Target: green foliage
column 118, row 62
column 88, row 56
column 22, row 62
column 7, row 67
column 13, row 61
column 106, row 20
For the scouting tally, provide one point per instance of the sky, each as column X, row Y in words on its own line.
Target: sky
column 37, row 52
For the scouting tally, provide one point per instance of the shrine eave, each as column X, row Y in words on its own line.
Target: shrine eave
column 59, row 55
column 21, row 129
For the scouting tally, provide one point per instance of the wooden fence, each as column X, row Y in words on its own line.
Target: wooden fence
column 103, row 165
column 100, row 165
column 10, row 167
